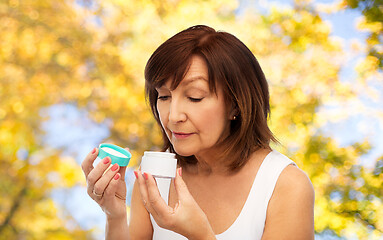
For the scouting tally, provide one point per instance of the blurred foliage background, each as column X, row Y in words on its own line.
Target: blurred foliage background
column 87, row 57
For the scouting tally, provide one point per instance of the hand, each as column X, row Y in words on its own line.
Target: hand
column 186, row 218
column 106, row 186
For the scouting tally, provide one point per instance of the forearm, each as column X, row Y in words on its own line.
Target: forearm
column 117, row 229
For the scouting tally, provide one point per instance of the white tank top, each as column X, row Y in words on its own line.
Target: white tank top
column 250, row 222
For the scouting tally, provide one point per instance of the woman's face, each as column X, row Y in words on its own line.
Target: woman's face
column 194, row 118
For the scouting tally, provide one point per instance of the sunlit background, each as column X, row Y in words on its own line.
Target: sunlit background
column 71, row 75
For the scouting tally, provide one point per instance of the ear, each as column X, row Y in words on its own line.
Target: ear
column 233, row 114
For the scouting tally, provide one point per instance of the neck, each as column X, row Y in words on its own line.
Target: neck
column 209, row 164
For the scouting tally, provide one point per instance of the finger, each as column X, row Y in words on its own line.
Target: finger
column 96, row 174
column 122, row 172
column 111, row 190
column 180, row 186
column 87, row 164
column 144, row 192
column 103, row 182
column 156, row 201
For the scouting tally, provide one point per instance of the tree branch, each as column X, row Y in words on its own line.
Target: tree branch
column 14, row 208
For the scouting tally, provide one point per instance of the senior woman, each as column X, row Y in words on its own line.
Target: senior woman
column 210, row 97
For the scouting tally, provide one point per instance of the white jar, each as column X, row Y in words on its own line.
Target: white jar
column 162, row 166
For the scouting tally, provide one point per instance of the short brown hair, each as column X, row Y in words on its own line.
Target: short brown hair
column 230, row 65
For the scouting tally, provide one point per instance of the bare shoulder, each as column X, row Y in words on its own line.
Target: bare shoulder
column 291, row 207
column 293, row 179
column 293, row 192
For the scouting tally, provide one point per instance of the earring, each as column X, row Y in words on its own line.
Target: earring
column 235, row 117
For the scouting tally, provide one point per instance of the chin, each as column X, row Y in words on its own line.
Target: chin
column 185, row 152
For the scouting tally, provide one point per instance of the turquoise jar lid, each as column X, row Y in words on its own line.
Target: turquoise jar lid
column 117, row 154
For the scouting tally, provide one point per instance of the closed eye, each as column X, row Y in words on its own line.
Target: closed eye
column 163, row 98
column 195, row 99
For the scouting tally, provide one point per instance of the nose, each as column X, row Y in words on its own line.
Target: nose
column 177, row 112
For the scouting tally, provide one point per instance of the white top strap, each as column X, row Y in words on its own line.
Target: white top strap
column 251, row 221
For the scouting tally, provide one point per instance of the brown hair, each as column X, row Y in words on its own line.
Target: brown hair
column 230, row 65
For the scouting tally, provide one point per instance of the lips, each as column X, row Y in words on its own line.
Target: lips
column 181, row 135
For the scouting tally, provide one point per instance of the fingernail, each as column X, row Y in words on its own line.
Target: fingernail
column 114, row 167
column 94, row 150
column 146, row 176
column 106, row 160
column 136, row 174
column 180, row 171
column 117, row 176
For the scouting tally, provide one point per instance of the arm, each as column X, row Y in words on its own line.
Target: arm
column 106, row 186
column 140, row 227
column 117, row 229
column 290, row 214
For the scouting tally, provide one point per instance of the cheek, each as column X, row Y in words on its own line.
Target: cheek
column 163, row 115
column 214, row 121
